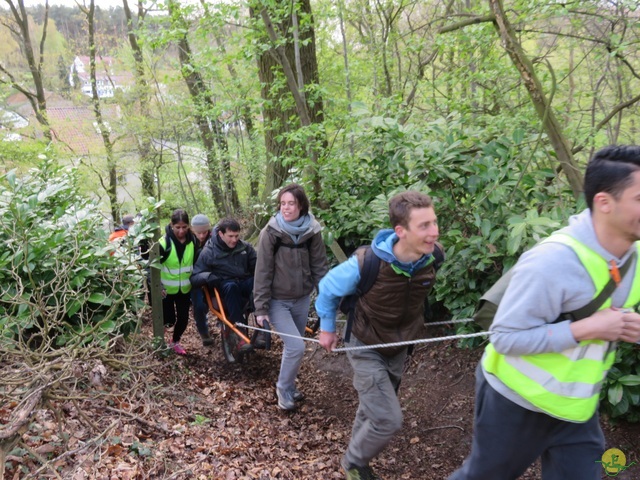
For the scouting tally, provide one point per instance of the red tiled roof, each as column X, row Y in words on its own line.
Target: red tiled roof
column 74, row 127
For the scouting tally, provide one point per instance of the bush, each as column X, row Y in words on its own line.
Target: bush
column 496, row 195
column 61, row 283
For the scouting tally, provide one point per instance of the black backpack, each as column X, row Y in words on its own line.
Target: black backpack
column 279, row 243
column 369, row 269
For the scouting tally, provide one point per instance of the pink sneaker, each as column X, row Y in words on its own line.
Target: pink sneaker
column 176, row 347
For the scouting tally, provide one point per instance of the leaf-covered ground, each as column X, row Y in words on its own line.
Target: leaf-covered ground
column 196, row 417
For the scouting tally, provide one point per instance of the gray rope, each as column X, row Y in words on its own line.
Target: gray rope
column 411, row 342
column 383, row 345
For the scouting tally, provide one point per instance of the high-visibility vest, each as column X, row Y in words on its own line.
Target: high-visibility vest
column 175, row 273
column 566, row 384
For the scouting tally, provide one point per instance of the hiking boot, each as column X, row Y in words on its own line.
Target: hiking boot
column 244, row 347
column 260, row 340
column 360, row 473
column 207, row 341
column 176, row 347
column 297, row 395
column 285, row 400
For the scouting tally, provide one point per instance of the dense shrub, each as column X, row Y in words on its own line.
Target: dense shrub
column 497, row 193
column 61, row 283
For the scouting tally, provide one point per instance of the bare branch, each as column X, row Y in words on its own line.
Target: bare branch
column 465, row 23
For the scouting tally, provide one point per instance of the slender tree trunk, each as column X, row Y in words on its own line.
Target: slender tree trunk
column 143, row 141
column 210, row 131
column 245, row 117
column 37, row 100
column 540, row 102
column 112, row 186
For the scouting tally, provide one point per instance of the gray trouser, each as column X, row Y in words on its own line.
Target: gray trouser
column 290, row 317
column 379, row 415
column 508, row 438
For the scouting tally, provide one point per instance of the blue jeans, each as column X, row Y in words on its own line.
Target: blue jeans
column 235, row 296
column 200, row 310
column 290, row 317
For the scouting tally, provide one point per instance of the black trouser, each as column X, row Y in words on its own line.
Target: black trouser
column 175, row 309
column 508, row 438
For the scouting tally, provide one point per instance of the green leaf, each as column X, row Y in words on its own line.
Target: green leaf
column 108, row 326
column 630, row 380
column 614, row 394
column 100, row 298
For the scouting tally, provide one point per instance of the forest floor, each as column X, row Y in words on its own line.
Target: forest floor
column 198, row 417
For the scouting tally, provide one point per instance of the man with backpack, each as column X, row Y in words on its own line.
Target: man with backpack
column 392, row 310
column 539, row 381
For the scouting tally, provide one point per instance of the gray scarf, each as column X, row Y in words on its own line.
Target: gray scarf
column 294, row 229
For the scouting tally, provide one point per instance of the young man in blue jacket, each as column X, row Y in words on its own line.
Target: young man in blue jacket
column 391, row 311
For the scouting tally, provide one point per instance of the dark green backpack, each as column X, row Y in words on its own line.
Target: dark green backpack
column 489, row 302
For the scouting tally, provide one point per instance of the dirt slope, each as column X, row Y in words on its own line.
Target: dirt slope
column 199, row 418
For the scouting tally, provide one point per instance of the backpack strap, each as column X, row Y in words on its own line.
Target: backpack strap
column 369, row 268
column 279, row 243
column 438, row 256
column 590, row 308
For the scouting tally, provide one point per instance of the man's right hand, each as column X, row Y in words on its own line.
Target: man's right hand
column 610, row 324
column 328, row 340
column 261, row 318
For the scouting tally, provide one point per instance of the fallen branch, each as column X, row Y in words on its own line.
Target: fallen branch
column 139, row 419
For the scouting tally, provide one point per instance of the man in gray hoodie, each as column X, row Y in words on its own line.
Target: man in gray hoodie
column 539, row 380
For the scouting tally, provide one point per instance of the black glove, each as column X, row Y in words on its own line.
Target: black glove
column 213, row 281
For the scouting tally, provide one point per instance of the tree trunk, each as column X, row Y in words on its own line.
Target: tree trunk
column 219, row 173
column 37, row 100
column 112, row 185
column 144, row 141
column 309, row 110
column 541, row 104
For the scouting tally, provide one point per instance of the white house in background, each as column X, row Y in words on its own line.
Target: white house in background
column 12, row 120
column 107, row 81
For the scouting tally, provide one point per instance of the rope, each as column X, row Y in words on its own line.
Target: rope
column 411, row 342
column 385, row 345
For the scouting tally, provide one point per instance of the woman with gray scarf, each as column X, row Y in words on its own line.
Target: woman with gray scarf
column 291, row 261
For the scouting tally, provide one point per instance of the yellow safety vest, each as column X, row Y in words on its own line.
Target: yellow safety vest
column 175, row 273
column 565, row 384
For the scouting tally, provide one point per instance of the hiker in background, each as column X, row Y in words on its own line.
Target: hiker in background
column 292, row 259
column 177, row 252
column 392, row 310
column 539, row 380
column 122, row 230
column 228, row 264
column 201, row 228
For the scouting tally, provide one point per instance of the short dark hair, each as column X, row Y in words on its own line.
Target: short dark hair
column 179, row 215
column 400, row 206
column 299, row 194
column 610, row 170
column 230, row 224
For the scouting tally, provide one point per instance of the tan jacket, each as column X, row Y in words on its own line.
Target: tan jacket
column 291, row 273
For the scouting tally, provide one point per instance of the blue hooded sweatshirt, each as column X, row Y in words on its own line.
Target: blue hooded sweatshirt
column 343, row 279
